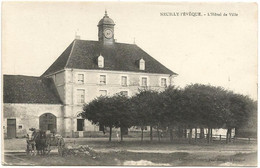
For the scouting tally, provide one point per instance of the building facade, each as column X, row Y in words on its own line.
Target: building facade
column 84, row 71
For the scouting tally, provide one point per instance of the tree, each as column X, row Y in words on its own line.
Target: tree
column 110, row 112
column 171, row 113
column 146, row 109
column 206, row 106
column 96, row 112
column 242, row 112
column 121, row 113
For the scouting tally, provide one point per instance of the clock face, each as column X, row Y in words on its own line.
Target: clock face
column 108, row 33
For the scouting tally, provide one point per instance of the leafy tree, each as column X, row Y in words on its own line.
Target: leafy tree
column 147, row 109
column 171, row 113
column 96, row 112
column 109, row 112
column 242, row 113
column 121, row 113
column 206, row 106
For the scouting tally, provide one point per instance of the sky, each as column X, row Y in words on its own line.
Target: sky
column 215, row 50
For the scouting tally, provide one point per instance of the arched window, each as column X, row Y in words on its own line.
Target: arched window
column 142, row 64
column 101, row 61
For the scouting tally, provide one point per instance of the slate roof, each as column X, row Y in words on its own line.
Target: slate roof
column 83, row 54
column 29, row 89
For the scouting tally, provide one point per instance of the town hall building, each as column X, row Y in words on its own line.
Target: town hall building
column 85, row 70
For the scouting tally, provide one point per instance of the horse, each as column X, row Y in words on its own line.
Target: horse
column 40, row 141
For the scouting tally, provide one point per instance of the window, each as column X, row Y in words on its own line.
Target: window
column 101, row 61
column 103, row 79
column 81, row 96
column 124, row 93
column 142, row 64
column 144, row 81
column 20, row 127
column 123, row 80
column 163, row 82
column 80, row 78
column 102, row 92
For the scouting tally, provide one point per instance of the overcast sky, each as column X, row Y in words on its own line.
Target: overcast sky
column 221, row 51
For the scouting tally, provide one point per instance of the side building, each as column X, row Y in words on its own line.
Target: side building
column 84, row 71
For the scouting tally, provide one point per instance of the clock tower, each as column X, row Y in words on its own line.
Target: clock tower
column 106, row 30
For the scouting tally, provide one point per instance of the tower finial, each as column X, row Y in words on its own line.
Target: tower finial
column 105, row 12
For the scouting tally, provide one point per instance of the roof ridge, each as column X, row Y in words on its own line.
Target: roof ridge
column 21, row 75
column 70, row 53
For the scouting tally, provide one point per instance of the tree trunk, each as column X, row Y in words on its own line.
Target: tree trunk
column 158, row 133
column 110, row 133
column 211, row 139
column 142, row 136
column 121, row 133
column 190, row 135
column 151, row 133
column 180, row 132
column 227, row 135
column 195, row 134
column 230, row 131
column 208, row 136
column 202, row 136
column 185, row 132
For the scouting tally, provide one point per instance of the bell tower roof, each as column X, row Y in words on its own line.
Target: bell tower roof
column 106, row 20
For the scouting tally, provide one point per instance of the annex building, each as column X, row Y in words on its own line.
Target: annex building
column 84, row 71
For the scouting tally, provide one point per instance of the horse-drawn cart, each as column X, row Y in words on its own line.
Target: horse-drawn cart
column 41, row 142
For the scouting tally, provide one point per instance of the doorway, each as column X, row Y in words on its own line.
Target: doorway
column 80, row 124
column 48, row 122
column 11, row 128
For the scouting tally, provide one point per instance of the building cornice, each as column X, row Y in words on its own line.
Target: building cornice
column 54, row 73
column 118, row 72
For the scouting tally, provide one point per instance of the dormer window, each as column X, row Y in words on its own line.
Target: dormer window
column 101, row 61
column 142, row 64
column 80, row 78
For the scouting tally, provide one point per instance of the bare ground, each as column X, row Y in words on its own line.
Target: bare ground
column 134, row 153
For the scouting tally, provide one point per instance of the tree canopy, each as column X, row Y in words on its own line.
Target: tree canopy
column 195, row 106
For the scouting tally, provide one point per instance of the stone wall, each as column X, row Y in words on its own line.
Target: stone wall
column 27, row 116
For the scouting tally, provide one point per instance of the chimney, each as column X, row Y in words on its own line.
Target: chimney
column 77, row 37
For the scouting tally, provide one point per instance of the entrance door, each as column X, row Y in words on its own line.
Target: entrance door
column 48, row 122
column 11, row 128
column 80, row 124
